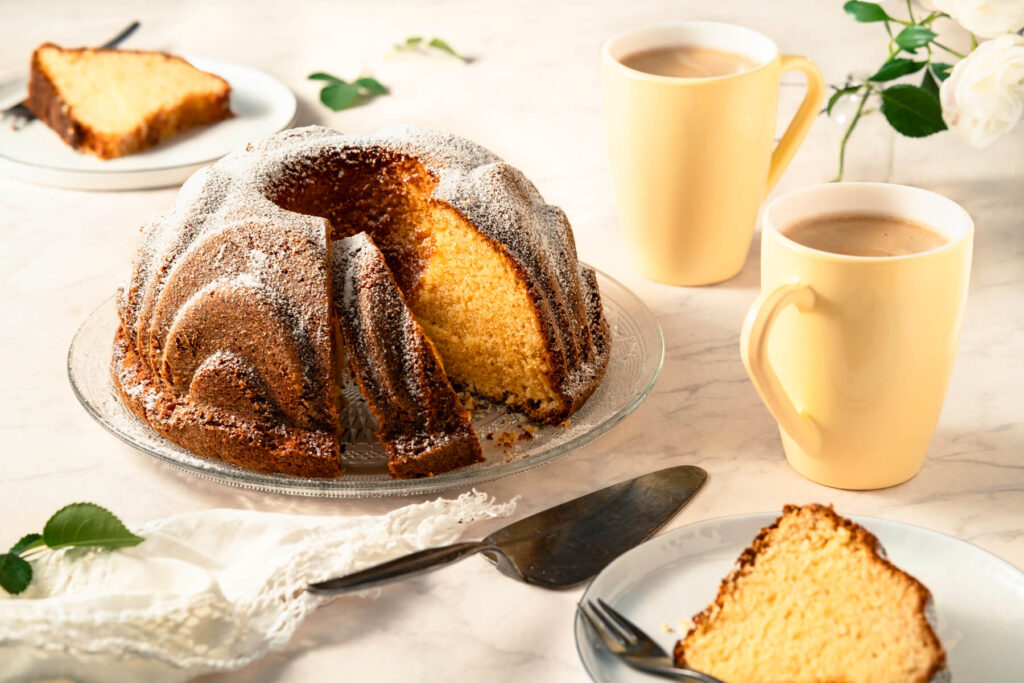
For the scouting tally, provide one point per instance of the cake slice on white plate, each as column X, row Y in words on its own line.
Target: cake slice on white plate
column 110, row 103
column 814, row 600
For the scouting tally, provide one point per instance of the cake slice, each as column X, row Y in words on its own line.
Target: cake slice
column 423, row 426
column 115, row 102
column 814, row 600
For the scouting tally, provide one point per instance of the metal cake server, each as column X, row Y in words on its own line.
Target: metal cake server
column 558, row 547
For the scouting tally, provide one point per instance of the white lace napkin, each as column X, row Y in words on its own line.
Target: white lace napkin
column 207, row 591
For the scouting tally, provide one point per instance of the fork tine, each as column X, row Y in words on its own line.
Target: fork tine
column 623, row 635
column 623, row 623
column 607, row 638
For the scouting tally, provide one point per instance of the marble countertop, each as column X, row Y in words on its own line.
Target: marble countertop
column 532, row 96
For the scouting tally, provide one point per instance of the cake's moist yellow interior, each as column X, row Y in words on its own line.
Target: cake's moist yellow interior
column 111, row 91
column 467, row 297
column 816, row 607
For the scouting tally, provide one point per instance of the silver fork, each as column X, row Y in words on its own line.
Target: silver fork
column 19, row 114
column 629, row 643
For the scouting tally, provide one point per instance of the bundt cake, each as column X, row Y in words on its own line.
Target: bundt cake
column 814, row 600
column 115, row 102
column 230, row 341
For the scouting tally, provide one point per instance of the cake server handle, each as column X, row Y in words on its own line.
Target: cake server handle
column 399, row 568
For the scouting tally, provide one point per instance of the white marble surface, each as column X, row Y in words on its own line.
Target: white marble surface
column 533, row 97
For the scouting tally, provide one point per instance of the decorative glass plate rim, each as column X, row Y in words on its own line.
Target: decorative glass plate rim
column 353, row 487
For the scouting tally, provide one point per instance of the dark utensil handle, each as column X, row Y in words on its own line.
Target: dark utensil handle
column 394, row 570
column 122, row 36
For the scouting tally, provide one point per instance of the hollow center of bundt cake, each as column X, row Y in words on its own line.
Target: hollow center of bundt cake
column 817, row 605
column 462, row 290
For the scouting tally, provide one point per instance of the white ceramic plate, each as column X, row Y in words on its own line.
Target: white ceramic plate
column 979, row 598
column 262, row 105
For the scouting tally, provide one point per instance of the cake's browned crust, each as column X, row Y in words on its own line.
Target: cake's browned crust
column 423, row 425
column 233, row 284
column 747, row 561
column 262, row 442
column 47, row 104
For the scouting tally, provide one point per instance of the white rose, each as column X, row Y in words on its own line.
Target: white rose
column 984, row 95
column 985, row 18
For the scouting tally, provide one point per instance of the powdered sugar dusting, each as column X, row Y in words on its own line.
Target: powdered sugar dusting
column 224, row 231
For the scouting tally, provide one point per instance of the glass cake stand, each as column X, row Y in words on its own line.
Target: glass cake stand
column 637, row 353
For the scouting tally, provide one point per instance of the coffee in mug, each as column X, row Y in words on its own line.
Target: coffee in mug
column 852, row 341
column 689, row 111
column 864, row 234
column 689, row 61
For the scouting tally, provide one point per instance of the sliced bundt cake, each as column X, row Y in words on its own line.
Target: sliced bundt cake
column 813, row 600
column 240, row 269
column 423, row 425
column 115, row 102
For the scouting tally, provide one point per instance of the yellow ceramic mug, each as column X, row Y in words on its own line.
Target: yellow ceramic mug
column 852, row 355
column 691, row 158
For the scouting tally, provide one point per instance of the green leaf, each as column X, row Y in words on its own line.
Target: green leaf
column 941, row 70
column 338, row 96
column 445, row 47
column 410, row 44
column 25, row 542
column 87, row 524
column 321, row 76
column 895, row 68
column 371, row 85
column 838, row 94
column 865, row 11
column 15, row 573
column 913, row 37
column 929, row 84
column 912, row 111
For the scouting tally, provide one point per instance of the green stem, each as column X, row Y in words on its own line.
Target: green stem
column 849, row 131
column 910, row 12
column 33, row 552
column 948, row 49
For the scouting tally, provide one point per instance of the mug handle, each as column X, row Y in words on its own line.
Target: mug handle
column 801, row 123
column 753, row 348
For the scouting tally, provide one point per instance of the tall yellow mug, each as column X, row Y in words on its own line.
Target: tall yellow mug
column 853, row 354
column 691, row 158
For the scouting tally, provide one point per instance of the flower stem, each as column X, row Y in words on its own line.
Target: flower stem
column 849, row 131
column 910, row 12
column 948, row 49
